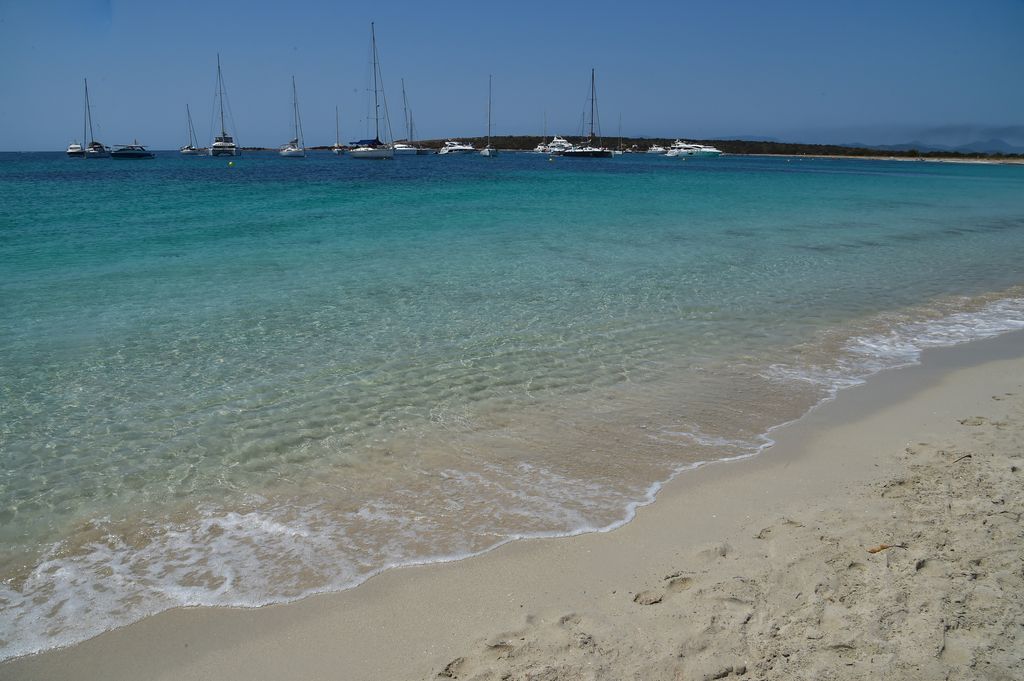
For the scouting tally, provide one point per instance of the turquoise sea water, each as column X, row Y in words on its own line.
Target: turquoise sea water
column 239, row 386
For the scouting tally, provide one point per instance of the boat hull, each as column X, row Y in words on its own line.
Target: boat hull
column 132, row 155
column 293, row 153
column 406, row 151
column 77, row 154
column 489, row 152
column 457, row 151
column 191, row 151
column 588, row 153
column 225, row 151
column 380, row 153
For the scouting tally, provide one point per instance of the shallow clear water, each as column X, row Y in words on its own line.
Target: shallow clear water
column 243, row 385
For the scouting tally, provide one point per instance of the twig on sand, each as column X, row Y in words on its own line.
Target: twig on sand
column 965, row 456
column 883, row 547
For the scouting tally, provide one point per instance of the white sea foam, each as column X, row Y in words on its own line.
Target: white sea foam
column 273, row 555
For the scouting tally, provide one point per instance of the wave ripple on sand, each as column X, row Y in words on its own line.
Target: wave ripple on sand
column 917, row 576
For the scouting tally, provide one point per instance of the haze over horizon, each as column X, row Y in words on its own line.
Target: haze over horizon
column 945, row 73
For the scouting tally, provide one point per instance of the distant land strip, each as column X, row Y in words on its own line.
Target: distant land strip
column 529, row 142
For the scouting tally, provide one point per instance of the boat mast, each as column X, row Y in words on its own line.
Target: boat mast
column 220, row 97
column 192, row 140
column 337, row 129
column 88, row 112
column 376, row 105
column 489, row 110
column 295, row 107
column 405, row 113
column 593, row 102
column 85, row 114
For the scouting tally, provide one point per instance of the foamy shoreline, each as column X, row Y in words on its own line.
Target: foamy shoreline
column 602, row 601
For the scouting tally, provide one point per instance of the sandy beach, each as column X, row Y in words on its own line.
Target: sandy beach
column 879, row 538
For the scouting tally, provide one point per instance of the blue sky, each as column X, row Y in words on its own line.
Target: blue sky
column 876, row 72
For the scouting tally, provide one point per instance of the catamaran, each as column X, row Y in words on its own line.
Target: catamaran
column 587, row 148
column 223, row 144
column 488, row 150
column 375, row 148
column 294, row 148
column 192, row 148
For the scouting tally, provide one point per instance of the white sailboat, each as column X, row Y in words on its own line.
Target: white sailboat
column 192, row 148
column 406, row 148
column 338, row 148
column 488, row 150
column 223, row 144
column 294, row 148
column 375, row 148
column 587, row 149
column 94, row 149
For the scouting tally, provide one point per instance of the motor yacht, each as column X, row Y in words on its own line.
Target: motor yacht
column 131, row 151
column 455, row 147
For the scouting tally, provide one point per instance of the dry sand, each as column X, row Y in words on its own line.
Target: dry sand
column 758, row 569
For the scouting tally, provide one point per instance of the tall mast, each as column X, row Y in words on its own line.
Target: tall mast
column 405, row 113
column 489, row 110
column 88, row 111
column 337, row 129
column 85, row 114
column 593, row 102
column 376, row 106
column 191, row 130
column 295, row 111
column 220, row 97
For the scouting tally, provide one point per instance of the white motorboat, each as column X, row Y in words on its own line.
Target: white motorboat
column 294, row 148
column 655, row 149
column 403, row 149
column 555, row 147
column 707, row 150
column 375, row 149
column 75, row 150
column 223, row 144
column 192, row 148
column 680, row 148
column 456, row 147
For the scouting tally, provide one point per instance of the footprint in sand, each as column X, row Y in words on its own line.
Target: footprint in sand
column 974, row 421
column 674, row 583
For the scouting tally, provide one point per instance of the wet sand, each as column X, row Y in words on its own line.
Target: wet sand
column 879, row 538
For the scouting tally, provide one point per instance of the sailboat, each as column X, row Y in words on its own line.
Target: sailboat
column 94, row 149
column 223, row 144
column 337, row 148
column 192, row 148
column 488, row 150
column 375, row 148
column 587, row 149
column 406, row 148
column 294, row 148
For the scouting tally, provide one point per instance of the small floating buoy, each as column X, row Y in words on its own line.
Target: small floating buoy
column 231, row 164
column 551, row 159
